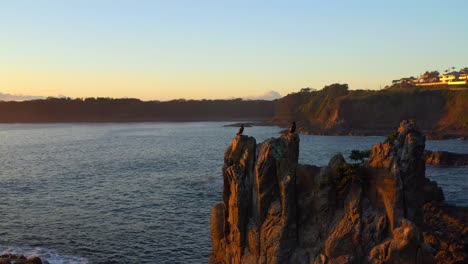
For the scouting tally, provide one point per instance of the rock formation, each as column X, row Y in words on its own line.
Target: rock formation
column 275, row 210
column 20, row 259
column 445, row 158
column 446, row 231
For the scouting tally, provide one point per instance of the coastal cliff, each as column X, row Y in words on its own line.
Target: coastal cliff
column 275, row 210
column 336, row 110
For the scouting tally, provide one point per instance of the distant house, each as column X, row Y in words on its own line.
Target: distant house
column 449, row 77
column 434, row 79
column 454, row 78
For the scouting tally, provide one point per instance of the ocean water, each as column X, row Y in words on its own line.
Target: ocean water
column 137, row 192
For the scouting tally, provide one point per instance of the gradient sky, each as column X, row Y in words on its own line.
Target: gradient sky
column 218, row 49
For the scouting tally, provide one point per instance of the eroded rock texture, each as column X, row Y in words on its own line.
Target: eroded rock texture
column 256, row 222
column 275, row 210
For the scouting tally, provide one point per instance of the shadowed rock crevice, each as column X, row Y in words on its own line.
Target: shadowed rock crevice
column 275, row 210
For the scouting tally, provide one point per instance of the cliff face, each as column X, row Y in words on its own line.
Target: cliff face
column 337, row 110
column 275, row 210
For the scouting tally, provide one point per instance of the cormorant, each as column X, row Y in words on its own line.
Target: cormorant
column 293, row 128
column 241, row 130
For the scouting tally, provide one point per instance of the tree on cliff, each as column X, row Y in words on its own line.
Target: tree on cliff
column 360, row 155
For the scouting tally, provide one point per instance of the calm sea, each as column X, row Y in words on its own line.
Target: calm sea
column 138, row 192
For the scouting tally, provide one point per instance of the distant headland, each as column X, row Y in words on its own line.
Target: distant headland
column 334, row 110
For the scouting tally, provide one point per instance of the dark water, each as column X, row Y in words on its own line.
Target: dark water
column 136, row 193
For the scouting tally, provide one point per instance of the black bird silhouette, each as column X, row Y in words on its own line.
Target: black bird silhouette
column 293, row 128
column 241, row 130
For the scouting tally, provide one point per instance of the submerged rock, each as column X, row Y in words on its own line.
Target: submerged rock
column 445, row 158
column 20, row 259
column 275, row 210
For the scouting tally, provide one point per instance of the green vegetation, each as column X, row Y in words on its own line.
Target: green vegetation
column 342, row 176
column 360, row 155
column 391, row 138
column 309, row 104
column 338, row 109
column 456, row 108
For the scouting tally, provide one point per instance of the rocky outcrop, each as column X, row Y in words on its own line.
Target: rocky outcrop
column 446, row 231
column 402, row 159
column 257, row 219
column 445, row 158
column 275, row 210
column 20, row 259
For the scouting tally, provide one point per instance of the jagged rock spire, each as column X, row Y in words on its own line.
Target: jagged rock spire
column 275, row 210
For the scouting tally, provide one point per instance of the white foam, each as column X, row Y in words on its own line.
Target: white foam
column 50, row 255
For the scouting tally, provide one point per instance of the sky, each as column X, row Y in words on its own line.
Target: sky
column 161, row 50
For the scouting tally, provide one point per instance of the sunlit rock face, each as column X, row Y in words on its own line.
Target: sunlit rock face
column 257, row 219
column 403, row 158
column 275, row 210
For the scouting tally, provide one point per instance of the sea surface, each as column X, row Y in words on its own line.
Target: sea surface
column 137, row 192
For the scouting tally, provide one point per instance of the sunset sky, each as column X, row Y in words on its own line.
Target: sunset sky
column 220, row 49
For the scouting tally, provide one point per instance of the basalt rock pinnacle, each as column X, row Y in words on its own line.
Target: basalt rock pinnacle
column 275, row 210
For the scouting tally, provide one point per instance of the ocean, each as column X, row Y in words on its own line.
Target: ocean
column 138, row 192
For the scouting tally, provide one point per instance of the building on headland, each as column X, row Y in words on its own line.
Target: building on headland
column 433, row 78
column 449, row 77
column 454, row 78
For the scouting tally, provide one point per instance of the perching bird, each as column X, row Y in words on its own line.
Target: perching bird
column 241, row 130
column 293, row 128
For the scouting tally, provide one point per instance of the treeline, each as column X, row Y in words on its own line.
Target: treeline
column 132, row 110
column 333, row 110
